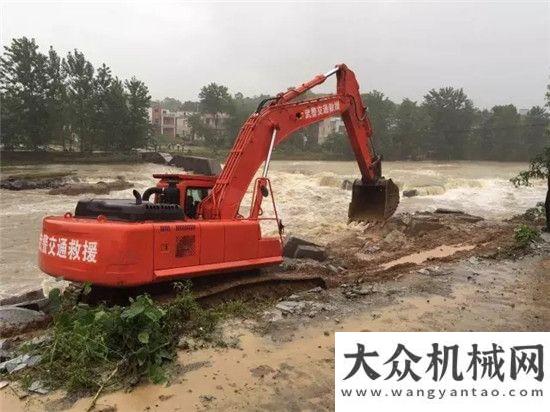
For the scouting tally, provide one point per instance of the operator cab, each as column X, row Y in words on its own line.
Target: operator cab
column 176, row 197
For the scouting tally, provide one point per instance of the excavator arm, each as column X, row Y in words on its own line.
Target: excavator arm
column 373, row 198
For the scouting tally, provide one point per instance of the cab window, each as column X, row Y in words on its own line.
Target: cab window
column 193, row 196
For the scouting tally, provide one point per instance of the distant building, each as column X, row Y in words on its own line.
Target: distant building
column 218, row 122
column 176, row 124
column 164, row 119
column 523, row 112
column 329, row 126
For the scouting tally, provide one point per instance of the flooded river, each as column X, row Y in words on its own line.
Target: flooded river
column 309, row 198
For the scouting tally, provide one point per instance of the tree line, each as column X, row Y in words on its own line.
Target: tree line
column 49, row 100
column 52, row 100
column 444, row 125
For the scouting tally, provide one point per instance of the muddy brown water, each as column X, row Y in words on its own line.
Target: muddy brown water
column 308, row 194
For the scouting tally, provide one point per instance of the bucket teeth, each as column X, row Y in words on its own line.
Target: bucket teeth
column 373, row 202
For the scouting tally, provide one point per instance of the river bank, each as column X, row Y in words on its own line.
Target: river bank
column 419, row 272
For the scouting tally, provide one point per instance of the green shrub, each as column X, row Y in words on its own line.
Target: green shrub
column 524, row 235
column 96, row 346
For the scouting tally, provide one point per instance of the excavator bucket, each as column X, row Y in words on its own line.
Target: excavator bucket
column 373, row 202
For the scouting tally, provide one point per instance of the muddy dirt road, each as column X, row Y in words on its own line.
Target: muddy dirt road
column 284, row 359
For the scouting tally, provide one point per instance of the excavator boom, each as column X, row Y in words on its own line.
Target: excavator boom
column 373, row 197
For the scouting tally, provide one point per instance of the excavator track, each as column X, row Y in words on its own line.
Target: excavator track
column 248, row 285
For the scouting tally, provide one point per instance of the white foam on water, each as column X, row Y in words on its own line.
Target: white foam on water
column 308, row 195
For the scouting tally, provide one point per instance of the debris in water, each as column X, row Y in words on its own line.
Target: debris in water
column 410, row 193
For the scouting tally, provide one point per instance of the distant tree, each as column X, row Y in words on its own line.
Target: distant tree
column 505, row 125
column 56, row 100
column 481, row 137
column 118, row 115
column 411, row 128
column 534, row 125
column 81, row 100
column 215, row 99
column 169, row 103
column 539, row 168
column 138, row 102
column 381, row 112
column 189, row 106
column 451, row 115
column 338, row 143
column 199, row 128
column 102, row 89
column 242, row 108
column 23, row 83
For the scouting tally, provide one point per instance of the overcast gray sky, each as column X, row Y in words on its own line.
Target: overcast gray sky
column 499, row 52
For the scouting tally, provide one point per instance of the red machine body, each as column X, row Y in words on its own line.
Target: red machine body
column 193, row 226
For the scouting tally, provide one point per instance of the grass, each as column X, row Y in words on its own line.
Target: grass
column 97, row 347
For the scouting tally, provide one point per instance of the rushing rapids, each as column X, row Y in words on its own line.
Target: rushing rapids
column 309, row 194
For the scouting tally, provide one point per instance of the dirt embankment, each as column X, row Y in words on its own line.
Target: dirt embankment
column 419, row 272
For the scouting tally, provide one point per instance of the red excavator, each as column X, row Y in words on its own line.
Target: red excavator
column 192, row 226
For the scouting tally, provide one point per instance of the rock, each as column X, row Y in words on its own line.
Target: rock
column 290, row 307
column 419, row 226
column 395, row 236
column 20, row 362
column 370, row 249
column 99, row 188
column 347, row 184
column 272, row 315
column 289, row 249
column 38, row 340
column 310, row 252
column 3, row 384
column 332, row 268
column 470, row 218
column 365, row 290
column 156, row 157
column 443, row 210
column 38, row 387
column 11, row 316
column 433, row 271
column 410, row 193
column 36, row 181
column 317, row 289
column 199, row 165
column 23, row 299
